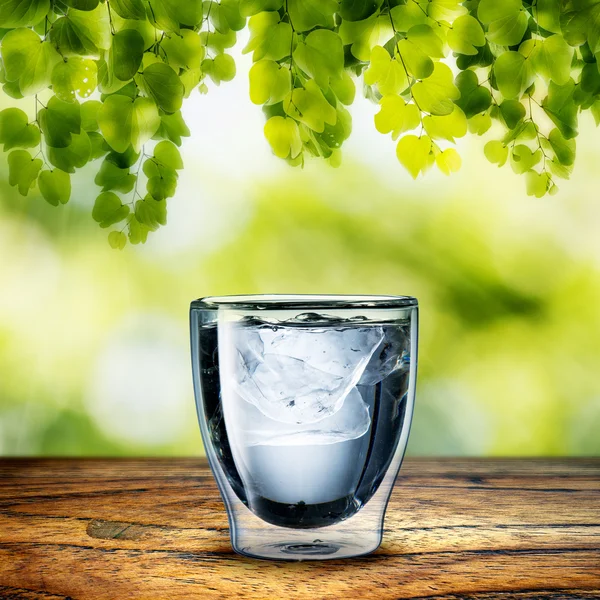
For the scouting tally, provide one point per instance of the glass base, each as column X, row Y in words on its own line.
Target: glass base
column 295, row 551
column 257, row 539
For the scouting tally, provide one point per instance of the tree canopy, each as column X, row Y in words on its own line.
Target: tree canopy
column 108, row 79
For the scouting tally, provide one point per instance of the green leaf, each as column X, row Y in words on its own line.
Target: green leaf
column 310, row 107
column 479, row 124
column 74, row 76
column 405, row 16
column 269, row 82
column 167, row 154
column 283, row 136
column 514, row 74
column 483, row 58
column 58, row 121
column 99, row 147
column 55, row 186
column 321, row 55
column 117, row 240
column 169, row 14
column 129, row 9
column 396, row 116
column 82, row 4
column 465, row 35
column 344, row 89
column 358, row 10
column 524, row 131
column 219, row 42
column 363, row 36
column 144, row 28
column 124, row 122
column 269, row 37
column 152, row 168
column 151, row 212
column 447, row 127
column 547, row 13
column 536, row 183
column 16, row 131
column 23, row 170
column 506, row 21
column 161, row 187
column 162, row 17
column 138, row 233
column 522, row 158
column 84, row 33
column 445, row 10
column 74, row 156
column 448, row 161
column 333, row 136
column 173, row 127
column 513, row 112
column 426, row 39
column 496, row 152
column 190, row 79
column 551, row 58
column 590, row 79
column 435, row 94
column 161, row 83
column 580, row 22
column 249, row 8
column 561, row 108
column 185, row 50
column 420, row 44
column 563, row 171
column 127, row 51
column 108, row 209
column 89, row 115
column 123, row 160
column 107, row 82
column 11, row 89
column 418, row 64
column 307, row 14
column 226, row 15
column 114, row 120
column 489, row 11
column 508, row 31
column 474, row 98
column 111, row 177
column 335, row 160
column 385, row 72
column 22, row 13
column 563, row 148
column 221, row 68
column 28, row 60
column 414, row 153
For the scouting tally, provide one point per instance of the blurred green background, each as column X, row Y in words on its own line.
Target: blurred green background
column 94, row 354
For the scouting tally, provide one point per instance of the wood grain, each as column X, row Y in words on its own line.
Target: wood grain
column 156, row 529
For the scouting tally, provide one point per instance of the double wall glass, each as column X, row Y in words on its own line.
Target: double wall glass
column 305, row 405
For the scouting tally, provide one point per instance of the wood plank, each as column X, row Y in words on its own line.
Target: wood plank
column 156, row 528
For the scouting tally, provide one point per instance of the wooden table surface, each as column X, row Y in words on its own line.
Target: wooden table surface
column 156, row 528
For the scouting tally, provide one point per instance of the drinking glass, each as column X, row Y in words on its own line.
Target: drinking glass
column 305, row 404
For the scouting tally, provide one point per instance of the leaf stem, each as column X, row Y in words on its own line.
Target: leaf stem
column 412, row 80
column 112, row 27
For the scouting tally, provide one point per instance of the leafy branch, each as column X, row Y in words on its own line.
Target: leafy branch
column 114, row 74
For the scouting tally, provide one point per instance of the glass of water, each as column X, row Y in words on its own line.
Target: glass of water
column 305, row 404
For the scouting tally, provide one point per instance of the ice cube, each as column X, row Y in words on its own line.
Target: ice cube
column 350, row 422
column 390, row 355
column 289, row 390
column 294, row 374
column 341, row 351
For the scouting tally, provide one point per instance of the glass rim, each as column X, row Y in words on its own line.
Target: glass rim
column 302, row 301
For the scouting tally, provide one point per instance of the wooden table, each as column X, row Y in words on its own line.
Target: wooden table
column 156, row 529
